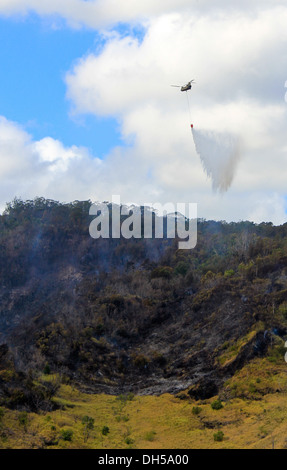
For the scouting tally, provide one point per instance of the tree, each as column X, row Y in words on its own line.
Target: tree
column 105, row 430
column 23, row 419
column 88, row 424
column 217, row 404
column 218, row 436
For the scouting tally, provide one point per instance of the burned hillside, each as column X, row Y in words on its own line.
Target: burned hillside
column 140, row 315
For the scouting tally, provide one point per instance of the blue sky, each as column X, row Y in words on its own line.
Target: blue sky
column 34, row 59
column 87, row 111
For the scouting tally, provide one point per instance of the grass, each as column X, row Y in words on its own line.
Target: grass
column 233, row 350
column 161, row 422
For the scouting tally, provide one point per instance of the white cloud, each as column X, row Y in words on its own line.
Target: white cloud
column 94, row 14
column 232, row 56
column 38, row 168
column 236, row 53
column 264, row 205
column 105, row 13
column 46, row 168
column 226, row 54
column 53, row 151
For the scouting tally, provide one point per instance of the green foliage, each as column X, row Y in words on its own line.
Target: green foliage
column 131, row 313
column 252, row 388
column 129, row 440
column 218, row 436
column 229, row 272
column 150, row 436
column 88, row 422
column 208, row 276
column 162, row 271
column 277, row 351
column 196, row 410
column 105, row 430
column 217, row 404
column 23, row 419
column 283, row 309
column 181, row 268
column 67, row 434
column 88, row 332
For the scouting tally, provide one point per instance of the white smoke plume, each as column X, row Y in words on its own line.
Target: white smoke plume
column 219, row 153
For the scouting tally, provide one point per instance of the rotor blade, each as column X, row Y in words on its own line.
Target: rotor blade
column 177, row 86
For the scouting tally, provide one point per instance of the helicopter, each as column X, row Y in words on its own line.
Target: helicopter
column 184, row 87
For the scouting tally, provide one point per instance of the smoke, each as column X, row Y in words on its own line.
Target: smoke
column 219, row 153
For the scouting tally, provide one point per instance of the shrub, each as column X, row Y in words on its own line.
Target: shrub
column 218, row 436
column 162, row 271
column 217, row 404
column 47, row 369
column 150, row 436
column 140, row 361
column 67, row 434
column 229, row 273
column 129, row 441
column 196, row 410
column 105, row 430
column 123, row 398
column 100, row 329
column 23, row 419
column 283, row 310
column 88, row 422
column 277, row 351
column 158, row 358
column 252, row 388
column 181, row 268
column 1, row 416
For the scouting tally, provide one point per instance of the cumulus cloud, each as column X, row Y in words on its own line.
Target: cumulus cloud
column 94, row 14
column 54, row 152
column 233, row 56
column 31, row 168
column 226, row 54
column 105, row 13
column 236, row 53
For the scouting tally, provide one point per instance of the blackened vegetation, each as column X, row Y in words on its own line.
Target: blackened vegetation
column 18, row 390
column 139, row 315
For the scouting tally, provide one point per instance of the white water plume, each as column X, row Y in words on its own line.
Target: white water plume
column 219, row 153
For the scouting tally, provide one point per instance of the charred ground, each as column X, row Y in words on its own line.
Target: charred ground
column 138, row 315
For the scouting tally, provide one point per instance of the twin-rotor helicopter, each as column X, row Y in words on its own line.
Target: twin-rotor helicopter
column 185, row 87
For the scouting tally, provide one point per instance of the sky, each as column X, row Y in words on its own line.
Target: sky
column 87, row 110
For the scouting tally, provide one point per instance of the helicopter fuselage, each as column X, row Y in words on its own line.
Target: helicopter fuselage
column 186, row 87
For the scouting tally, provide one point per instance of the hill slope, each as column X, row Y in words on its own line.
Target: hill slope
column 139, row 315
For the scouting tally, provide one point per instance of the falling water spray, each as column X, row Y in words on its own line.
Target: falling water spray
column 219, row 154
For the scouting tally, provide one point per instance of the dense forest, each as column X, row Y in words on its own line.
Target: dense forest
column 137, row 315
